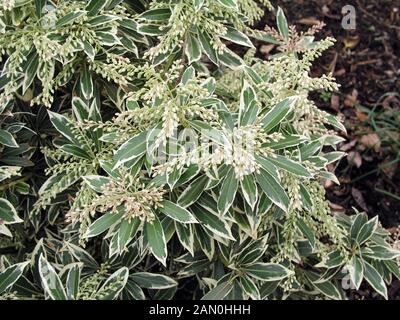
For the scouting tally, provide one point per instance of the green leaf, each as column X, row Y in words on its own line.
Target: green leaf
column 188, row 75
column 5, row 231
column 355, row 267
column 247, row 96
column 380, row 252
column 100, row 20
column 176, row 212
column 375, row 279
column 206, row 243
column 231, row 4
column 64, row 126
column 212, row 222
column 328, row 289
column 75, row 151
column 107, row 38
column 198, row 4
column 267, row 271
column 238, row 37
column 268, row 166
column 80, row 109
column 306, row 197
column 219, row 292
column 358, row 222
column 8, row 214
column 333, row 121
column 153, row 281
column 228, row 192
column 205, row 41
column 334, row 260
column 152, row 30
column 250, row 190
column 104, row 223
column 290, row 166
column 329, row 176
column 39, row 5
column 334, row 156
column 393, row 267
column 154, row 234
column 130, row 150
column 278, row 113
column 73, row 280
column 7, row 139
column 10, row 275
column 30, row 72
column 273, row 189
column 208, row 131
column 186, row 236
column 95, row 6
column 230, row 59
column 134, row 291
column 250, row 288
column 89, row 50
column 127, row 231
column 113, row 285
column 162, row 14
column 282, row 24
column 362, row 229
column 97, row 182
column 310, row 149
column 70, row 18
column 193, row 48
column 86, row 82
column 193, row 192
column 51, row 283
column 367, row 230
column 306, row 231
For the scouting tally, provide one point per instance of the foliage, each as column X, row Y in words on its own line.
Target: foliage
column 140, row 151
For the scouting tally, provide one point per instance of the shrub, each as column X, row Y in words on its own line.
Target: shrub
column 170, row 158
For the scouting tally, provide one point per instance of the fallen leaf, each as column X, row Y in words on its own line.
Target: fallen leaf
column 351, row 99
column 354, row 158
column 266, row 49
column 351, row 42
column 336, row 208
column 325, row 9
column 359, row 198
column 310, row 21
column 361, row 116
column 348, row 146
column 335, row 102
column 389, row 167
column 371, row 140
column 340, row 72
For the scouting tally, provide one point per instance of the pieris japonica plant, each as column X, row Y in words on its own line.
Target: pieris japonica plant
column 145, row 149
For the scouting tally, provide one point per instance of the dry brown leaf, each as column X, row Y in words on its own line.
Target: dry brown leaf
column 372, row 141
column 359, row 198
column 354, row 158
column 351, row 42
